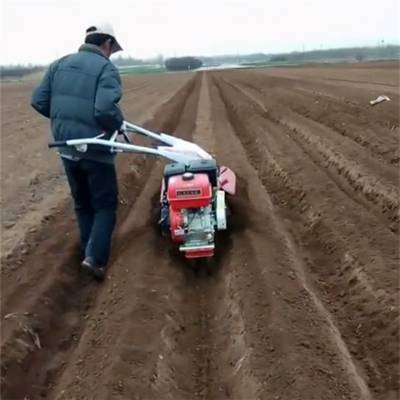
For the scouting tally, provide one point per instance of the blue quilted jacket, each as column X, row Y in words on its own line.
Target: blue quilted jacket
column 80, row 94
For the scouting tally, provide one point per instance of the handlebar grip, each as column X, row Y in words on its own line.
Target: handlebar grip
column 58, row 143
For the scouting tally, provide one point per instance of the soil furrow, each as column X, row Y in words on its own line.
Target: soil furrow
column 117, row 325
column 55, row 290
column 286, row 301
column 341, row 117
column 353, row 176
column 325, row 247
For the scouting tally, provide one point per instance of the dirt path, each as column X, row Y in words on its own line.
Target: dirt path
column 302, row 298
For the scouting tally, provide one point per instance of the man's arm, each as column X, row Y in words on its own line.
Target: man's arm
column 106, row 109
column 42, row 94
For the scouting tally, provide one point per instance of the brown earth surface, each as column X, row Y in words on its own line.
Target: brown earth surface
column 302, row 301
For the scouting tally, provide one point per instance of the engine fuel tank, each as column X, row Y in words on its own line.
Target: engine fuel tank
column 189, row 191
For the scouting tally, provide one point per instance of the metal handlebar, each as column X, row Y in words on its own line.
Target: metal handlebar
column 173, row 148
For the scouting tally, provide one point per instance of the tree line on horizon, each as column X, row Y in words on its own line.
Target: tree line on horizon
column 185, row 63
column 348, row 53
column 352, row 53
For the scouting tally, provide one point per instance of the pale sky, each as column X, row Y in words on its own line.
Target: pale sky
column 39, row 31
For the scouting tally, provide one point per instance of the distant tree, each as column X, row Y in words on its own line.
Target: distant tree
column 18, row 71
column 182, row 63
column 279, row 58
column 360, row 56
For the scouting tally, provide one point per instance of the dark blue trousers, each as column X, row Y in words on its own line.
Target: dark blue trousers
column 95, row 192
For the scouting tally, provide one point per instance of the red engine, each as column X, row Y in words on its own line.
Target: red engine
column 193, row 205
column 189, row 191
column 186, row 194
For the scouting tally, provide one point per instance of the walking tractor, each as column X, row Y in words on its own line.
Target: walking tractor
column 193, row 188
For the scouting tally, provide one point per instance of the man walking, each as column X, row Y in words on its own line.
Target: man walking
column 80, row 94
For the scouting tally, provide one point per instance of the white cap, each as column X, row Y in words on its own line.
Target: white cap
column 106, row 29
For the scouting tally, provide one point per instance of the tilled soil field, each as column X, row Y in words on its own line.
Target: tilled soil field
column 302, row 299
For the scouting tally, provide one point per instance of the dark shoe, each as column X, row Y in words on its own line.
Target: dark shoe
column 90, row 266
